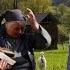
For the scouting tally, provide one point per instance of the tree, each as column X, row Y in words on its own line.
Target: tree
column 36, row 5
column 6, row 4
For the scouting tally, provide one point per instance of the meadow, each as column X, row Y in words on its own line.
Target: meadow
column 56, row 59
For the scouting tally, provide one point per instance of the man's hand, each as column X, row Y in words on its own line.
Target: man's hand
column 4, row 65
column 32, row 19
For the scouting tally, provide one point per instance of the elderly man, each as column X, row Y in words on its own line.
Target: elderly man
column 12, row 36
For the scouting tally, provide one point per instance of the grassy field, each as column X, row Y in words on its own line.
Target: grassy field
column 56, row 59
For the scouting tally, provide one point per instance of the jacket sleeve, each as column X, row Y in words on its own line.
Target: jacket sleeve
column 46, row 35
column 42, row 37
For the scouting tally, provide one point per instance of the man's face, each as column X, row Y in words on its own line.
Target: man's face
column 14, row 28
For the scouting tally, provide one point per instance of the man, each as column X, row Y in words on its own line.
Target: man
column 12, row 36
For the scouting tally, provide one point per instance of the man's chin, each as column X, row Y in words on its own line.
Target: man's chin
column 16, row 36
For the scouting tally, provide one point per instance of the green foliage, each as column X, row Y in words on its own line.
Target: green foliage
column 35, row 5
column 6, row 4
column 62, row 13
column 62, row 9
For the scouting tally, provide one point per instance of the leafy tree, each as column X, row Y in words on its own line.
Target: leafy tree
column 6, row 4
column 35, row 5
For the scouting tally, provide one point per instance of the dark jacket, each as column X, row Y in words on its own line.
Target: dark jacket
column 23, row 48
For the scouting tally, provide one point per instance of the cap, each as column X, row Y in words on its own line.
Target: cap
column 14, row 15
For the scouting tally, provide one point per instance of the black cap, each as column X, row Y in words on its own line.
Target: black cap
column 14, row 15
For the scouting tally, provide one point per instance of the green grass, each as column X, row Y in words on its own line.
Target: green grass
column 56, row 59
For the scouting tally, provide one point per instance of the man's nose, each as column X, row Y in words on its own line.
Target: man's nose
column 21, row 31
